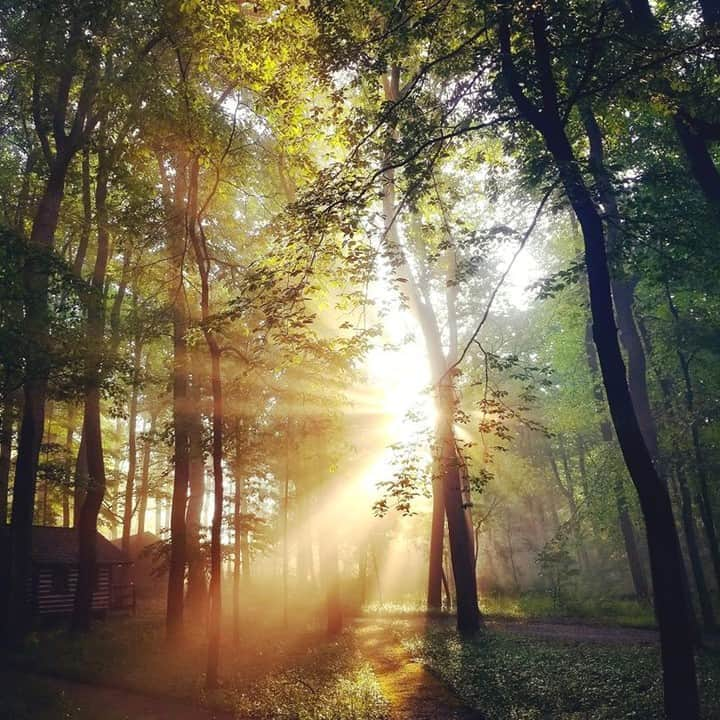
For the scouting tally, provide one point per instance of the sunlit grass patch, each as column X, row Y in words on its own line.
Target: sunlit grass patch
column 414, row 606
column 539, row 606
column 352, row 695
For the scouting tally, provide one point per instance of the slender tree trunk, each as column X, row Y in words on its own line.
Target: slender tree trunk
column 215, row 530
column 145, row 476
column 86, row 227
column 469, row 619
column 81, row 475
column 666, row 562
column 69, row 464
column 631, row 548
column 175, row 199
column 6, row 436
column 197, row 590
column 688, row 523
column 286, row 499
column 202, row 257
column 132, row 448
column 703, row 499
column 437, row 534
column 87, row 526
column 574, row 510
column 236, row 554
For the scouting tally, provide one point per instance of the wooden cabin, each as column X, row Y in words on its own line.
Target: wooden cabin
column 55, row 572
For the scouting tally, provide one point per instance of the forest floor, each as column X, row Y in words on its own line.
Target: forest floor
column 380, row 668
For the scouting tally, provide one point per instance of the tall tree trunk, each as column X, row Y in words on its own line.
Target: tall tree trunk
column 688, row 523
column 453, row 472
column 469, row 619
column 198, row 240
column 437, row 534
column 237, row 529
column 627, row 529
column 87, row 526
column 69, row 434
column 132, row 447
column 197, row 590
column 6, row 436
column 80, row 481
column 174, row 199
column 703, row 498
column 145, row 476
column 569, row 489
column 35, row 279
column 216, row 527
column 285, row 508
column 245, row 535
column 666, row 562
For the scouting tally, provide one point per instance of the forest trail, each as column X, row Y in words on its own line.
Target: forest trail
column 576, row 632
column 411, row 690
column 87, row 701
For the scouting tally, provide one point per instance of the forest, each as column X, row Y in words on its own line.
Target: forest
column 359, row 359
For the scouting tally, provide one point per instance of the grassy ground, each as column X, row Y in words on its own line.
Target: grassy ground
column 300, row 674
column 32, row 699
column 523, row 678
column 539, row 606
column 271, row 673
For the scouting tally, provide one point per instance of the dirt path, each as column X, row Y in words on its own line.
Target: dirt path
column 94, row 701
column 414, row 693
column 574, row 632
column 411, row 690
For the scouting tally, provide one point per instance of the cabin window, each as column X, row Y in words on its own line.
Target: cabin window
column 60, row 580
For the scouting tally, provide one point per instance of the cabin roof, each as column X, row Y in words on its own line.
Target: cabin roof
column 59, row 545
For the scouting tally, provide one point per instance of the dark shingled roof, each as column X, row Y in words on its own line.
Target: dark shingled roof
column 59, row 545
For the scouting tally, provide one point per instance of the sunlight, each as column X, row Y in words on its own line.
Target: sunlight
column 526, row 271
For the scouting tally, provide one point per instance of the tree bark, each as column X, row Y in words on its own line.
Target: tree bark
column 128, row 509
column 703, row 498
column 671, row 607
column 202, row 257
column 700, row 161
column 688, row 523
column 145, row 476
column 87, row 525
column 174, row 199
column 197, row 589
column 462, row 558
column 35, row 279
column 285, row 508
column 6, row 436
column 454, row 481
column 237, row 528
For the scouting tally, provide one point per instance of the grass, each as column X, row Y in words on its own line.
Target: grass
column 536, row 606
column 539, row 606
column 31, row 699
column 514, row 678
column 271, row 673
